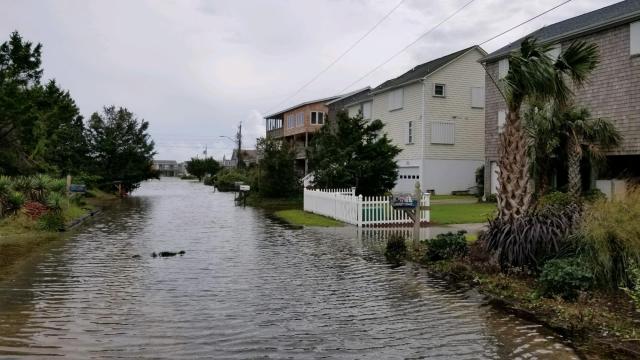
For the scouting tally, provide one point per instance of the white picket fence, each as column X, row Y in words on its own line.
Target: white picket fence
column 344, row 205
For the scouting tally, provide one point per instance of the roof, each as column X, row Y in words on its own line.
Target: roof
column 348, row 95
column 247, row 155
column 165, row 162
column 300, row 105
column 616, row 14
column 422, row 70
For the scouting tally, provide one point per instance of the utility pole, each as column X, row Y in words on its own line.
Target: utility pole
column 239, row 138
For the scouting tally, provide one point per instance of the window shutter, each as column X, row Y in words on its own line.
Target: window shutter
column 395, row 99
column 443, row 132
column 477, row 97
column 503, row 68
column 502, row 120
column 634, row 38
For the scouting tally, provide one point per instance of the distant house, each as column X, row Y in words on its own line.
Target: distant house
column 359, row 101
column 613, row 90
column 435, row 114
column 249, row 157
column 297, row 125
column 168, row 167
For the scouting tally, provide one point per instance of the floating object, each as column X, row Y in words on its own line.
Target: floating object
column 136, row 257
column 167, row 253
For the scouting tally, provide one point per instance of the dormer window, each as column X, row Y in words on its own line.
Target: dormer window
column 439, row 90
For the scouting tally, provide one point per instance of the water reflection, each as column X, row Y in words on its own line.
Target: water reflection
column 247, row 287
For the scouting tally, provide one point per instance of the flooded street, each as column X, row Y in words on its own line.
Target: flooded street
column 247, row 287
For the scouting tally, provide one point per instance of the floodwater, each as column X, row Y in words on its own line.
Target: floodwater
column 247, row 287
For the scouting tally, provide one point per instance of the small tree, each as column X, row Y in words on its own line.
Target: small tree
column 121, row 149
column 354, row 152
column 202, row 167
column 276, row 171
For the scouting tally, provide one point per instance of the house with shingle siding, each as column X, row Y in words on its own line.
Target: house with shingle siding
column 613, row 90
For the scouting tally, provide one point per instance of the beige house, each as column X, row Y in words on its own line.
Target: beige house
column 612, row 92
column 435, row 113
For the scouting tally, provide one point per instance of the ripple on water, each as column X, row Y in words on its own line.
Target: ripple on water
column 247, row 287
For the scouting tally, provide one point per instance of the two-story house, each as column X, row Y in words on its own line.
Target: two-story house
column 613, row 90
column 297, row 125
column 435, row 113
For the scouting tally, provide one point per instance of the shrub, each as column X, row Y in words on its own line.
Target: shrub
column 555, row 200
column 634, row 290
column 446, row 246
column 226, row 179
column 54, row 202
column 51, row 221
column 396, row 249
column 491, row 198
column 14, row 202
column 188, row 177
column 480, row 181
column 609, row 238
column 565, row 278
column 57, row 186
column 594, row 195
column 533, row 238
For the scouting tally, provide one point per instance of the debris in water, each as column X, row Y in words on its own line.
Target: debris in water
column 168, row 253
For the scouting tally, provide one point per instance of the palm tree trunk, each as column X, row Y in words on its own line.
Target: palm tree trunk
column 515, row 185
column 573, row 167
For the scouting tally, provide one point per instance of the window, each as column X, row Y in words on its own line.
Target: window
column 477, row 97
column 438, row 90
column 554, row 52
column 300, row 119
column 502, row 120
column 366, row 110
column 395, row 99
column 410, row 132
column 317, row 118
column 443, row 132
column 634, row 38
column 290, row 121
column 503, row 68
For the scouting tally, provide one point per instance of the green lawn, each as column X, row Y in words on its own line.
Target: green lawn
column 299, row 217
column 462, row 213
column 453, row 197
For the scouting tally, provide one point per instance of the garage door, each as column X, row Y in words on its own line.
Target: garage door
column 407, row 177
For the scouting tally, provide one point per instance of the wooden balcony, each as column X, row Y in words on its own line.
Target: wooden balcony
column 275, row 133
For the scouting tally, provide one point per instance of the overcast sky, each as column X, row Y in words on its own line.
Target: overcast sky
column 195, row 69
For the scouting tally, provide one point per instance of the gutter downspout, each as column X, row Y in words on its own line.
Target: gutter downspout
column 423, row 137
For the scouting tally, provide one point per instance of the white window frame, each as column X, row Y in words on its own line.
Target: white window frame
column 409, row 139
column 444, row 90
column 634, row 38
column 396, row 99
column 503, row 68
column 319, row 118
column 502, row 120
column 477, row 97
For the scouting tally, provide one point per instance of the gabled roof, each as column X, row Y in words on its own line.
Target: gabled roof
column 616, row 14
column 423, row 70
column 347, row 95
column 300, row 105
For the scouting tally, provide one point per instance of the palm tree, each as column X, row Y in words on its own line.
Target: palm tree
column 535, row 78
column 585, row 134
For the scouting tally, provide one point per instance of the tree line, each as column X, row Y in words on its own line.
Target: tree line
column 42, row 130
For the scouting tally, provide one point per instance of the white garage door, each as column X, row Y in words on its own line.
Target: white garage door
column 407, row 177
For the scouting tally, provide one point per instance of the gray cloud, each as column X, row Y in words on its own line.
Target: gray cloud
column 194, row 69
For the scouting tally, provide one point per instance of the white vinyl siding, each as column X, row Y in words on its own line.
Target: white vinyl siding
column 366, row 110
column 317, row 118
column 634, row 38
column 396, row 99
column 503, row 68
column 502, row 120
column 409, row 133
column 477, row 97
column 443, row 132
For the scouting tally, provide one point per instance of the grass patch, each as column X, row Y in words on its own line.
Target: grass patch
column 453, row 197
column 462, row 213
column 274, row 204
column 299, row 217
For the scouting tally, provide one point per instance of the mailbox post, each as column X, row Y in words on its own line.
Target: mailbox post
column 411, row 206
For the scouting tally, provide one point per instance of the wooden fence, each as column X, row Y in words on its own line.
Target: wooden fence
column 363, row 211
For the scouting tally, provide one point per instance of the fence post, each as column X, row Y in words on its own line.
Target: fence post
column 359, row 209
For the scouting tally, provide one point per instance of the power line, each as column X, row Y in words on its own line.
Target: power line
column 339, row 57
column 525, row 22
column 408, row 46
